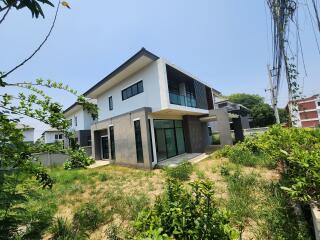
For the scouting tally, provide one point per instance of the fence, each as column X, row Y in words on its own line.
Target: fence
column 51, row 159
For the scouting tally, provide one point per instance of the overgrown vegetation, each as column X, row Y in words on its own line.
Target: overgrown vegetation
column 185, row 214
column 297, row 150
column 181, row 172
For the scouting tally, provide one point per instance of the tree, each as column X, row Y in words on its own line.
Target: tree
column 16, row 159
column 247, row 100
column 283, row 115
column 262, row 115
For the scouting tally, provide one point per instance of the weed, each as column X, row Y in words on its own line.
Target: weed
column 87, row 217
column 242, row 199
column 224, row 171
column 200, row 174
column 181, row 172
column 103, row 177
column 62, row 229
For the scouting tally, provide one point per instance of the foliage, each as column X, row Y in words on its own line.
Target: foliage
column 261, row 112
column 283, row 115
column 262, row 115
column 247, row 100
column 261, row 208
column 62, row 229
column 299, row 151
column 181, row 172
column 184, row 214
column 77, row 159
column 32, row 5
column 87, row 217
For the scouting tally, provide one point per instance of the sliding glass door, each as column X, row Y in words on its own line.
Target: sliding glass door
column 169, row 138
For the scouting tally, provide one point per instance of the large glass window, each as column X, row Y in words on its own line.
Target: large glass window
column 132, row 90
column 169, row 138
column 137, row 133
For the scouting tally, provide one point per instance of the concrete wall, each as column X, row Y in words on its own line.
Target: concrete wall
column 196, row 134
column 51, row 159
column 222, row 125
column 125, row 145
column 150, row 97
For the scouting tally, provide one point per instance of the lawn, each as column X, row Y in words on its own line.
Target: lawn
column 252, row 196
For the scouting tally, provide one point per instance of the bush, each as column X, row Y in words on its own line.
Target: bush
column 181, row 172
column 297, row 148
column 184, row 214
column 87, row 217
column 78, row 158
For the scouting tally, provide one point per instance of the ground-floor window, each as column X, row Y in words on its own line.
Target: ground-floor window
column 112, row 144
column 137, row 133
column 169, row 138
column 104, row 147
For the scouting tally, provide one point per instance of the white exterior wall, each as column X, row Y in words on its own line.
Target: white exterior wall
column 84, row 120
column 28, row 135
column 149, row 98
column 49, row 137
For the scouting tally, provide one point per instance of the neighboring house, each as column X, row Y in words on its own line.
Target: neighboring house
column 28, row 132
column 53, row 135
column 239, row 117
column 81, row 122
column 149, row 111
column 307, row 112
column 236, row 108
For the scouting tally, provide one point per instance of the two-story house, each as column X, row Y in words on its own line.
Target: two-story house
column 149, row 111
column 80, row 122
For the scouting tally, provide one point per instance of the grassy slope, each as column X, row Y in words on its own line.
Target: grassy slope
column 251, row 194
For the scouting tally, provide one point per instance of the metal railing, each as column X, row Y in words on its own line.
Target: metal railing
column 182, row 100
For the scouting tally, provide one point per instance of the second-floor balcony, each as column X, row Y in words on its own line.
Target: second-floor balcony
column 182, row 100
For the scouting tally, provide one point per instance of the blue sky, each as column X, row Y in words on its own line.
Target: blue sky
column 224, row 43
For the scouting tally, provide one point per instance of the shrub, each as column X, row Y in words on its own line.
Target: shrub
column 181, row 172
column 185, row 214
column 78, row 158
column 297, row 148
column 87, row 217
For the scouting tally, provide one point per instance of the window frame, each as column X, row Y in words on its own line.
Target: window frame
column 129, row 92
column 138, row 140
column 110, row 103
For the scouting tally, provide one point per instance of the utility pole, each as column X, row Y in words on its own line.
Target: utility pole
column 273, row 96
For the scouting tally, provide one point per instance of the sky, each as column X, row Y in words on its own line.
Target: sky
column 224, row 43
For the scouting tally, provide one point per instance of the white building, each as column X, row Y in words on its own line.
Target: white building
column 150, row 110
column 53, row 135
column 28, row 132
column 81, row 122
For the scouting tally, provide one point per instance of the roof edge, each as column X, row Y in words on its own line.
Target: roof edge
column 142, row 52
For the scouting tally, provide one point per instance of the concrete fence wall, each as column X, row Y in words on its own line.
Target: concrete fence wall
column 51, row 159
column 252, row 131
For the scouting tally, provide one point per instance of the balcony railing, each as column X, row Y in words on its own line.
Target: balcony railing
column 182, row 100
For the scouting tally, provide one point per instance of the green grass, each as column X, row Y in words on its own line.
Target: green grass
column 254, row 201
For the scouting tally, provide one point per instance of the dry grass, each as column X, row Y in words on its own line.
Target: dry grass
column 121, row 192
